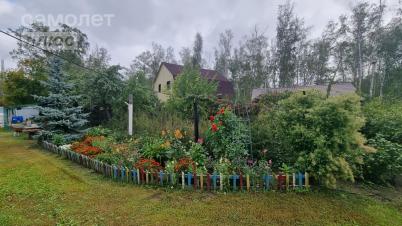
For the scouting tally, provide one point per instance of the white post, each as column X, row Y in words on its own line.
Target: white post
column 130, row 114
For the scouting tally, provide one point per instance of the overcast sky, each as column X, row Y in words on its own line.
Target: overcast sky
column 135, row 24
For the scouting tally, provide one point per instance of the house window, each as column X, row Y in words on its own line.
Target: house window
column 168, row 85
column 159, row 88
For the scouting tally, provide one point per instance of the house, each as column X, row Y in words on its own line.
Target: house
column 336, row 89
column 168, row 72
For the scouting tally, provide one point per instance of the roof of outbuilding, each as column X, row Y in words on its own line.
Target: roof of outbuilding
column 336, row 89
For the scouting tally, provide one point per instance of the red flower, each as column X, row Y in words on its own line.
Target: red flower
column 214, row 127
column 211, row 118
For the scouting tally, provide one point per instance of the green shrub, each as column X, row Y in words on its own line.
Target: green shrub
column 58, row 139
column 227, row 136
column 385, row 118
column 383, row 165
column 99, row 131
column 314, row 134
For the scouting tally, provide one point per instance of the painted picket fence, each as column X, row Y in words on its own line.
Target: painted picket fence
column 207, row 182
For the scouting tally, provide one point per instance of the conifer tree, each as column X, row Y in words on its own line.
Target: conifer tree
column 59, row 112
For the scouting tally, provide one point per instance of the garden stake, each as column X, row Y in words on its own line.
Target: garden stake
column 201, row 181
column 127, row 174
column 241, row 181
column 306, row 180
column 248, row 182
column 267, row 179
column 287, row 181
column 208, row 182
column 138, row 177
column 195, row 181
column 221, row 182
column 189, row 176
column 182, row 180
column 300, row 177
column 146, row 177
column 123, row 173
column 234, row 180
column 294, row 180
column 214, row 176
column 161, row 177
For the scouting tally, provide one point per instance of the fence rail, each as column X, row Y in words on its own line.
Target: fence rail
column 208, row 182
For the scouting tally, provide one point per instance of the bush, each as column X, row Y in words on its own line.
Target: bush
column 383, row 165
column 385, row 118
column 315, row 134
column 58, row 139
column 227, row 136
column 98, row 131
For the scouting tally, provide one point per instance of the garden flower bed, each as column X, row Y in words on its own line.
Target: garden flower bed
column 219, row 161
column 149, row 172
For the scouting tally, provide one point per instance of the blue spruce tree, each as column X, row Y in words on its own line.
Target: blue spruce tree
column 59, row 111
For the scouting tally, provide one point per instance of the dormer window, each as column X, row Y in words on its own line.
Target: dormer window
column 159, row 88
column 168, row 85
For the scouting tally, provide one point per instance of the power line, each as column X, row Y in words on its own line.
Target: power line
column 63, row 58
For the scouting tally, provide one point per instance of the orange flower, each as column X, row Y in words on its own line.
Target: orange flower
column 178, row 134
column 221, row 111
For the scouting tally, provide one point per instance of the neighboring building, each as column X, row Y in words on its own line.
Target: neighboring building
column 336, row 89
column 168, row 73
column 26, row 112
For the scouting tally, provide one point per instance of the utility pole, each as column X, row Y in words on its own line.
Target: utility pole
column 130, row 114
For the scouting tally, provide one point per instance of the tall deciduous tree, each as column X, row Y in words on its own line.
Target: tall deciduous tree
column 197, row 51
column 289, row 31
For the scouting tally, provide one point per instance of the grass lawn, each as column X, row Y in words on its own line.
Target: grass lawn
column 38, row 188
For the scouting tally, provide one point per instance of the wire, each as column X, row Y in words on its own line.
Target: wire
column 63, row 58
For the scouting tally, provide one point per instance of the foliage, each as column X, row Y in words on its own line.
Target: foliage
column 144, row 99
column 226, row 136
column 383, row 165
column 197, row 153
column 385, row 118
column 99, row 131
column 87, row 146
column 149, row 165
column 58, row 139
column 18, row 88
column 188, row 86
column 184, row 165
column 318, row 135
column 59, row 112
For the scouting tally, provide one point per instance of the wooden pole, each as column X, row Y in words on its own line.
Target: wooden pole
column 130, row 114
column 196, row 120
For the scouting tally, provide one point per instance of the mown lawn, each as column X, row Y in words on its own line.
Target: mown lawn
column 38, row 188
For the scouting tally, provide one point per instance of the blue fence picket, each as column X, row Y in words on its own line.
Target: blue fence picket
column 234, row 179
column 267, row 181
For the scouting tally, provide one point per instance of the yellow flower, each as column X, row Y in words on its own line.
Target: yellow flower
column 163, row 133
column 166, row 144
column 178, row 134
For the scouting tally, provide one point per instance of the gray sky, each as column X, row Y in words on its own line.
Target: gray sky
column 135, row 24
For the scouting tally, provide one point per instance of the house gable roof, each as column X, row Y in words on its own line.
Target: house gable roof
column 225, row 86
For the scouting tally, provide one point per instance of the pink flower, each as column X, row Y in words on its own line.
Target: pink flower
column 200, row 141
